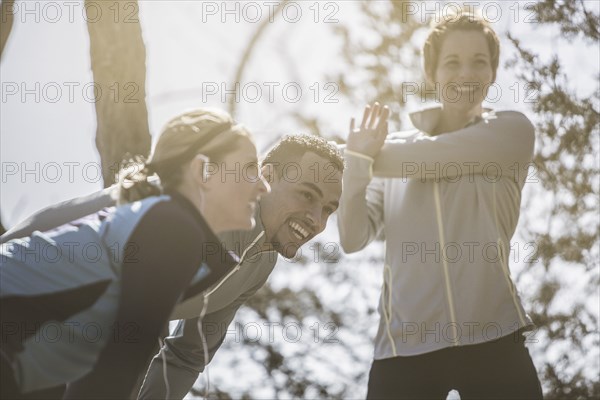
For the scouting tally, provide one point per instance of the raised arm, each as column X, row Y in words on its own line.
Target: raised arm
column 61, row 213
column 497, row 146
column 360, row 214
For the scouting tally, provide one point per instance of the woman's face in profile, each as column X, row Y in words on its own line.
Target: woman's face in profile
column 464, row 70
column 235, row 187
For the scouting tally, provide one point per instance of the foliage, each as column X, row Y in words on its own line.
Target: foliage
column 566, row 165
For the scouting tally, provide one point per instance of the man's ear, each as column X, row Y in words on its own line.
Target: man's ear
column 268, row 172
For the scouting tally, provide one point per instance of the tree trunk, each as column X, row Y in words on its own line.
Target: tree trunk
column 6, row 22
column 2, row 229
column 118, row 58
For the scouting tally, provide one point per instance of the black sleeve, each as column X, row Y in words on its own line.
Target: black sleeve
column 161, row 258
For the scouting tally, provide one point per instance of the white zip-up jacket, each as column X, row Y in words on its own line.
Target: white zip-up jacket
column 447, row 207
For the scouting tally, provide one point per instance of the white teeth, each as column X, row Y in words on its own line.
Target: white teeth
column 298, row 231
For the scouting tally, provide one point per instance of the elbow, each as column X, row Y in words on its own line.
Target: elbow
column 527, row 143
column 349, row 248
column 349, row 244
column 523, row 132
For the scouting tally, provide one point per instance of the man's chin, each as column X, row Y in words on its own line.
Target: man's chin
column 289, row 249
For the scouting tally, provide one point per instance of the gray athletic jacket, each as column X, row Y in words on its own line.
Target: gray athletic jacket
column 447, row 206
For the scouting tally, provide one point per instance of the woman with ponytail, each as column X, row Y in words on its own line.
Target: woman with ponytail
column 84, row 304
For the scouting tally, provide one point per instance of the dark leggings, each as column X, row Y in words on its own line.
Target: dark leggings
column 501, row 369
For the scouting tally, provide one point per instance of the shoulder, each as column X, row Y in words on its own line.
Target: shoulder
column 516, row 118
column 513, row 124
column 133, row 213
column 168, row 214
column 153, row 219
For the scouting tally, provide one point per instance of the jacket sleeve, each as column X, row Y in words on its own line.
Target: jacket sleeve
column 61, row 213
column 500, row 146
column 183, row 354
column 360, row 214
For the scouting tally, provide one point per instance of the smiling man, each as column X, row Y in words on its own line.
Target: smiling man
column 305, row 174
column 306, row 193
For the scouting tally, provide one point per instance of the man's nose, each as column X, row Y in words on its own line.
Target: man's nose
column 314, row 216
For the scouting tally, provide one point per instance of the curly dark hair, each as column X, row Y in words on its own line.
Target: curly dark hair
column 291, row 148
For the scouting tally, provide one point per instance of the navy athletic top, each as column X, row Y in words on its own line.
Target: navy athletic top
column 85, row 303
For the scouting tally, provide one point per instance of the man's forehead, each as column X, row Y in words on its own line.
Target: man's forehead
column 318, row 169
column 311, row 160
column 328, row 190
column 314, row 172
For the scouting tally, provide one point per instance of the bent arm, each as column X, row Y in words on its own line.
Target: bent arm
column 183, row 352
column 164, row 258
column 360, row 214
column 500, row 146
column 61, row 213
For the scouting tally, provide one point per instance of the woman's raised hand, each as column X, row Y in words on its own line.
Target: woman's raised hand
column 370, row 136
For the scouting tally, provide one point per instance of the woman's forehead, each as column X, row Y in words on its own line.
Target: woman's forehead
column 464, row 42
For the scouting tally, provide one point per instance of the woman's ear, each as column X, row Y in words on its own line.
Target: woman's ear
column 429, row 80
column 197, row 170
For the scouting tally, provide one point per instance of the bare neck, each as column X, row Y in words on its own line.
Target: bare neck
column 452, row 120
column 196, row 198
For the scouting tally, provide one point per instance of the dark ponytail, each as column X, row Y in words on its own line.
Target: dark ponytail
column 136, row 181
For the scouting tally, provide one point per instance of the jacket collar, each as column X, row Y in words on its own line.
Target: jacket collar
column 427, row 119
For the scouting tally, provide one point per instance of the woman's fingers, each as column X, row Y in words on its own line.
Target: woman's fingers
column 366, row 114
column 382, row 126
column 383, row 116
column 374, row 115
column 382, row 133
column 373, row 120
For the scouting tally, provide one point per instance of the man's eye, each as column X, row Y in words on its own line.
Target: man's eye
column 451, row 64
column 308, row 196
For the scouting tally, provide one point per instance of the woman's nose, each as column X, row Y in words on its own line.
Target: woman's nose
column 466, row 73
column 263, row 186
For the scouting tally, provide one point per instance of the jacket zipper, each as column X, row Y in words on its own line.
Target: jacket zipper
column 237, row 267
column 438, row 210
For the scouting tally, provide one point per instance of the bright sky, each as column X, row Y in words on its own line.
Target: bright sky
column 47, row 115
